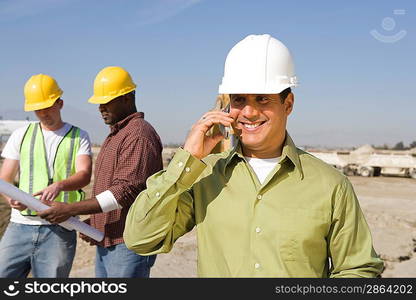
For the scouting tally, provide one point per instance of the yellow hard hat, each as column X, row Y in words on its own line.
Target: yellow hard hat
column 41, row 91
column 110, row 83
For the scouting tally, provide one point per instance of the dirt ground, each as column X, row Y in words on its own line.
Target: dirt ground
column 389, row 204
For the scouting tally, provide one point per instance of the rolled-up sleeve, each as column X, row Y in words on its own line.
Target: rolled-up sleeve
column 350, row 242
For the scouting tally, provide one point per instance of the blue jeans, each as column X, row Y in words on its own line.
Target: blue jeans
column 46, row 250
column 119, row 262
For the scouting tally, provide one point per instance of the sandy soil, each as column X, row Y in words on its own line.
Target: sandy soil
column 389, row 205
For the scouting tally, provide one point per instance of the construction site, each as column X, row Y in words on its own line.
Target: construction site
column 384, row 181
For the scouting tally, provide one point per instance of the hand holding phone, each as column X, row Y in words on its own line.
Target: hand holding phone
column 200, row 141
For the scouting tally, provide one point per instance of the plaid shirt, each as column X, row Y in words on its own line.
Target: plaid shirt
column 130, row 154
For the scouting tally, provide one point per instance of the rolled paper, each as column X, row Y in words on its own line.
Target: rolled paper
column 35, row 205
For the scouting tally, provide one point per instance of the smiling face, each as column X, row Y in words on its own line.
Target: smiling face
column 261, row 122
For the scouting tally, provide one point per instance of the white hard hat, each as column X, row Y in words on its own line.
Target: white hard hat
column 259, row 64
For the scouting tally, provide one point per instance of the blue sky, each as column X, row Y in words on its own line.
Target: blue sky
column 354, row 88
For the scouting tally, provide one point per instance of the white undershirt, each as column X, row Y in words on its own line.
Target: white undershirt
column 262, row 166
column 52, row 140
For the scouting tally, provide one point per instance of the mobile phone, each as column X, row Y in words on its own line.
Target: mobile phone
column 225, row 131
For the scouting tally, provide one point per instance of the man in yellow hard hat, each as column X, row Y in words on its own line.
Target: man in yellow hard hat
column 53, row 159
column 264, row 208
column 129, row 155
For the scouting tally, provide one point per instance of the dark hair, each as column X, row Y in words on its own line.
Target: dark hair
column 283, row 94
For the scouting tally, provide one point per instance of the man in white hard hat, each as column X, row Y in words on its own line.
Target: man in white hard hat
column 53, row 160
column 264, row 208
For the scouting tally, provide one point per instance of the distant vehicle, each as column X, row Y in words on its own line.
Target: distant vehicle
column 387, row 164
column 371, row 164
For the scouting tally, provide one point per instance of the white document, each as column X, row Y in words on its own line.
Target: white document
column 35, row 205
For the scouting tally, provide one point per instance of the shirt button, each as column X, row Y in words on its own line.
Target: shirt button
column 258, row 229
column 257, row 265
column 180, row 164
column 187, row 169
column 158, row 194
column 259, row 197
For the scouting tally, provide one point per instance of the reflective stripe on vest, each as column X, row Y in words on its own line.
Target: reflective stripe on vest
column 34, row 171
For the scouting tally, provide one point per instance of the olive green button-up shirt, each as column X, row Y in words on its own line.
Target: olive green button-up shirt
column 303, row 221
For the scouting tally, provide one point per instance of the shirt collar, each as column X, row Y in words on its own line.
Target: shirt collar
column 289, row 152
column 123, row 123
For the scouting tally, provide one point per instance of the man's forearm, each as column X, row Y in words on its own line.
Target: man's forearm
column 8, row 173
column 86, row 207
column 77, row 181
column 9, row 180
column 164, row 211
column 59, row 212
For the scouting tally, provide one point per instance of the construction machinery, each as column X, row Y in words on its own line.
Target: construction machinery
column 367, row 161
column 387, row 164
